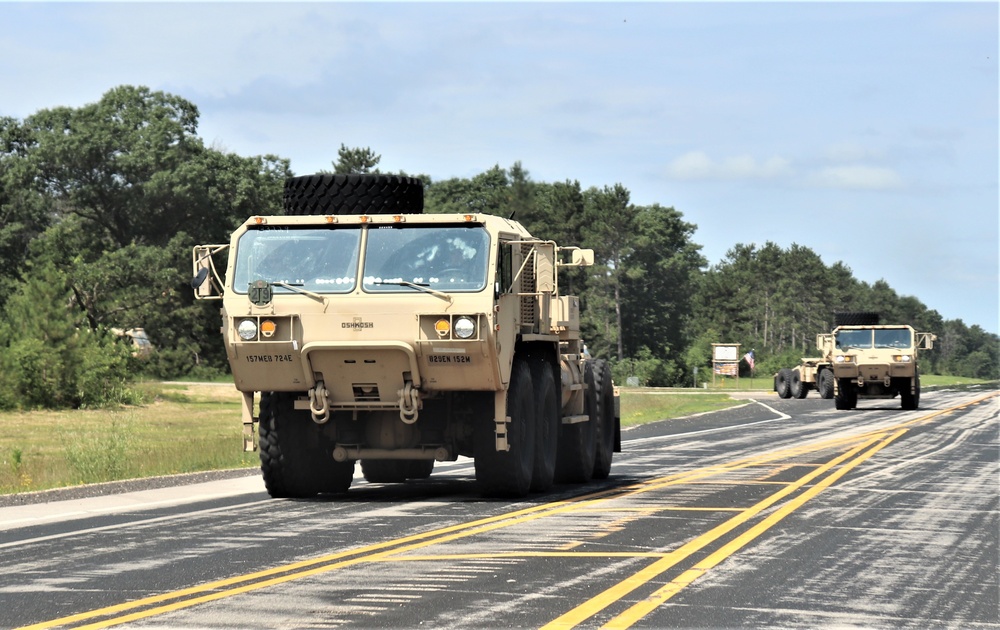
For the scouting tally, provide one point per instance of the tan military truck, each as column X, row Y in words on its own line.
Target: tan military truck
column 376, row 333
column 875, row 361
column 812, row 373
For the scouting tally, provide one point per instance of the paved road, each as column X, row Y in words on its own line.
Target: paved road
column 774, row 514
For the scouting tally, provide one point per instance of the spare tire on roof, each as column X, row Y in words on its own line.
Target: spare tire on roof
column 856, row 318
column 353, row 194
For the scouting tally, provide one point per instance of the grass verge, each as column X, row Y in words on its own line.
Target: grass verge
column 192, row 427
column 187, row 428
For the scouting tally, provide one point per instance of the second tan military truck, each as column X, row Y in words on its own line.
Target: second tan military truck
column 374, row 333
column 872, row 362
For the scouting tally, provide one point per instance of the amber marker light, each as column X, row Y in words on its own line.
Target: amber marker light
column 259, row 220
column 442, row 327
column 398, row 218
column 267, row 328
column 330, row 219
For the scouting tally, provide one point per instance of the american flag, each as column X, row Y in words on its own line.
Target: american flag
column 748, row 357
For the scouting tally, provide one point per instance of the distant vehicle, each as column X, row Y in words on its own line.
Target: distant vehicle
column 141, row 345
column 861, row 359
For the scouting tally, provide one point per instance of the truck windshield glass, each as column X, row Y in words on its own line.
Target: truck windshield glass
column 321, row 260
column 854, row 339
column 442, row 258
column 893, row 338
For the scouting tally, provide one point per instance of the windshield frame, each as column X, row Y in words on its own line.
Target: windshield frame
column 331, row 267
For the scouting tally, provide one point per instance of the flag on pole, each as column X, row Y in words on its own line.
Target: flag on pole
column 748, row 357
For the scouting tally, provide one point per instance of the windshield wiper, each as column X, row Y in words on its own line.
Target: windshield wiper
column 295, row 287
column 420, row 287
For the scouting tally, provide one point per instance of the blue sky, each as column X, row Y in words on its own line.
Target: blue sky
column 865, row 131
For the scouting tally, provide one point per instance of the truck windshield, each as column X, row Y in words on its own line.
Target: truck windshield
column 893, row 338
column 854, row 339
column 321, row 260
column 443, row 258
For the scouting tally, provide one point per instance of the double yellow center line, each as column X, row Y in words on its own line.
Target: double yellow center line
column 824, row 475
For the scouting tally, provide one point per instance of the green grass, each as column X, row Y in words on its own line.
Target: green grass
column 641, row 406
column 185, row 429
column 936, row 380
column 197, row 427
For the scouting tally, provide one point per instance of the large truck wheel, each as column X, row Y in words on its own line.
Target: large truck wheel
column 384, row 470
column 796, row 387
column 605, row 420
column 295, row 458
column 419, row 468
column 508, row 473
column 910, row 400
column 783, row 382
column 546, row 425
column 353, row 194
column 824, row 381
column 578, row 441
column 846, row 396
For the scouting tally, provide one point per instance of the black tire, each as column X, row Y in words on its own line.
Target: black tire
column 353, row 194
column 856, row 318
column 846, row 396
column 419, row 468
column 295, row 458
column 782, row 383
column 605, row 446
column 547, row 423
column 910, row 400
column 508, row 473
column 384, row 470
column 578, row 441
column 825, row 384
column 797, row 388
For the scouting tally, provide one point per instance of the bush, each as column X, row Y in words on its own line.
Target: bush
column 49, row 355
column 33, row 375
column 649, row 370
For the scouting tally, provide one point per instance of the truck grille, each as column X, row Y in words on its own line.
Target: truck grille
column 529, row 303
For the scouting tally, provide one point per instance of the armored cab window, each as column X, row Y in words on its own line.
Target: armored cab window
column 893, row 338
column 847, row 339
column 443, row 258
column 321, row 260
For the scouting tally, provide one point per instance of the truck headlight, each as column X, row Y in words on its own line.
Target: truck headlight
column 902, row 358
column 247, row 330
column 464, row 328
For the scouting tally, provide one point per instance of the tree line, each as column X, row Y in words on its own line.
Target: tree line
column 100, row 206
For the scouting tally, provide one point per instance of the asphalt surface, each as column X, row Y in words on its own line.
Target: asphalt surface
column 778, row 513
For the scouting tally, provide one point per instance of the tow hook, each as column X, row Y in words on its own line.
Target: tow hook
column 409, row 403
column 318, row 403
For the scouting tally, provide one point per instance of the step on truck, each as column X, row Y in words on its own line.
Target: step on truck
column 360, row 329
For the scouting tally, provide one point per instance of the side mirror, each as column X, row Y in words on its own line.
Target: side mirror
column 206, row 282
column 199, row 278
column 925, row 341
column 582, row 257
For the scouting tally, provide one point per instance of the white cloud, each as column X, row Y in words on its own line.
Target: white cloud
column 856, row 177
column 699, row 165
